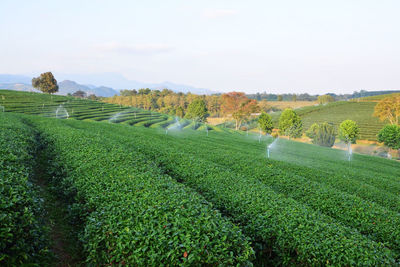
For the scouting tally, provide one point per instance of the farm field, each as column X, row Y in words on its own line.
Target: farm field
column 146, row 196
column 336, row 112
column 376, row 98
column 82, row 109
column 291, row 104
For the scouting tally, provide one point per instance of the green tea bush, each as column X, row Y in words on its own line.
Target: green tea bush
column 133, row 213
column 22, row 234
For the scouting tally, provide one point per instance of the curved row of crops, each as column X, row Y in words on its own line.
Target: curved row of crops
column 81, row 109
column 278, row 221
column 132, row 212
column 22, row 234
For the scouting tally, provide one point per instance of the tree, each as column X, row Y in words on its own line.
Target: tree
column 323, row 99
column 80, row 94
column 197, row 110
column 390, row 136
column 265, row 123
column 144, row 91
column 388, row 109
column 322, row 134
column 290, row 124
column 280, row 98
column 45, row 83
column 294, row 98
column 179, row 112
column 349, row 131
column 239, row 106
column 244, row 112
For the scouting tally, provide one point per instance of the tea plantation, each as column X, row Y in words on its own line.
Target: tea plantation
column 336, row 112
column 144, row 196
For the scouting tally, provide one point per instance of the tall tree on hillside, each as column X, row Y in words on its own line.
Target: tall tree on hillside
column 390, row 136
column 238, row 106
column 349, row 132
column 45, row 83
column 265, row 123
column 197, row 110
column 388, row 109
column 290, row 124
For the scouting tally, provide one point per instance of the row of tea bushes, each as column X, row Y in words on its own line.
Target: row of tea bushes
column 22, row 233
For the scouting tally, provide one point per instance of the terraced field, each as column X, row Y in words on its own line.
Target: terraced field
column 81, row 109
column 140, row 197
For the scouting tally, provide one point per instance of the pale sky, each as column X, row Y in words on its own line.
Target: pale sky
column 275, row 46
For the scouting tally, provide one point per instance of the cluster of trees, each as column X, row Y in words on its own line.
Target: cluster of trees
column 165, row 101
column 234, row 104
column 324, row 99
column 307, row 97
column 282, row 97
column 388, row 109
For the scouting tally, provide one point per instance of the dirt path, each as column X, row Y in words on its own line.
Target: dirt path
column 64, row 244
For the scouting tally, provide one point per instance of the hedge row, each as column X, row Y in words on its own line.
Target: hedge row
column 294, row 232
column 133, row 213
column 22, row 233
column 378, row 222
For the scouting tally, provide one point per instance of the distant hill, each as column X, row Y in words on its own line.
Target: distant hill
column 111, row 84
column 68, row 86
column 378, row 97
column 116, row 80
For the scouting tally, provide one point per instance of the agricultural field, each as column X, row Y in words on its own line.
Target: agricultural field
column 291, row 104
column 376, row 98
column 81, row 109
column 336, row 112
column 184, row 196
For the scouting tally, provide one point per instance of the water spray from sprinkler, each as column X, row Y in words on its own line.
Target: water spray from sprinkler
column 61, row 110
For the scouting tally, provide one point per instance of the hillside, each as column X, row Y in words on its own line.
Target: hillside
column 377, row 97
column 82, row 109
column 186, row 198
column 336, row 112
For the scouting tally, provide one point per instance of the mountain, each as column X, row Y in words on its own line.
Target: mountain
column 70, row 87
column 17, row 87
column 71, row 83
column 118, row 81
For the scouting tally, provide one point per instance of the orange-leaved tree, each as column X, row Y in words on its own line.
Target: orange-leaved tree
column 238, row 106
column 388, row 109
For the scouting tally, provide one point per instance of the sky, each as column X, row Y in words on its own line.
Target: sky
column 285, row 46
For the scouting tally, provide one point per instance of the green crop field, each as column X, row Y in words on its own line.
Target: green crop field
column 81, row 109
column 144, row 196
column 336, row 112
column 378, row 97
